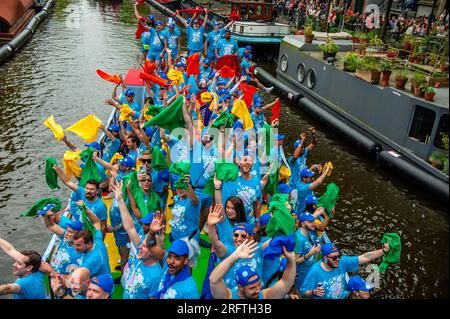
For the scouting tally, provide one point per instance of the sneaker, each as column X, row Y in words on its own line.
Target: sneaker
column 268, row 90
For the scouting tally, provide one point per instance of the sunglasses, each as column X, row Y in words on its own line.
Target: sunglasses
column 237, row 235
column 145, row 180
column 146, row 161
column 334, row 258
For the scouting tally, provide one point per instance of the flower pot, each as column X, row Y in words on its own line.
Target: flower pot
column 442, row 80
column 355, row 40
column 309, row 38
column 429, row 96
column 327, row 55
column 400, row 82
column 369, row 76
column 415, row 87
column 385, row 78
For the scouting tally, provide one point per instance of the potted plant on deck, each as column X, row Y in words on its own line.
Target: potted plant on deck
column 439, row 77
column 309, row 36
column 363, row 42
column 417, row 84
column 401, row 79
column 408, row 42
column 429, row 93
column 386, row 70
column 367, row 69
column 329, row 49
column 350, row 59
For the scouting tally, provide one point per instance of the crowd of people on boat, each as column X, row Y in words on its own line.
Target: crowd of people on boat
column 196, row 171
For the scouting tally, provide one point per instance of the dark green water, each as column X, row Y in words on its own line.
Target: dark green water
column 54, row 74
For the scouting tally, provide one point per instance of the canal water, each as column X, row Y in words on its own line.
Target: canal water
column 54, row 74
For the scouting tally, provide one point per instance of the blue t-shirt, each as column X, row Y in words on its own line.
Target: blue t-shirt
column 303, row 190
column 303, row 246
column 296, row 168
column 334, row 282
column 156, row 38
column 247, row 190
column 172, row 39
column 226, row 47
column 205, row 74
column 145, row 41
column 240, row 52
column 110, row 149
column 186, row 289
column 225, row 232
column 97, row 206
column 31, row 286
column 65, row 257
column 212, row 39
column 185, row 218
column 96, row 260
column 245, row 65
column 135, row 154
column 258, row 120
column 202, row 166
column 195, row 38
column 141, row 281
column 270, row 267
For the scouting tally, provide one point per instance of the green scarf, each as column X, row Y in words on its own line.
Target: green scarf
column 153, row 201
column 223, row 118
column 268, row 129
column 329, row 198
column 180, row 169
column 50, row 175
column 90, row 170
column 281, row 222
column 225, row 172
column 159, row 162
column 154, row 110
column 32, row 212
column 171, row 117
column 87, row 224
column 272, row 185
column 395, row 248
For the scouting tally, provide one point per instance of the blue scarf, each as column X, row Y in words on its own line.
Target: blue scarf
column 168, row 282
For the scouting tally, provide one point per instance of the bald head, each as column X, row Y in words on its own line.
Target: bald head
column 79, row 281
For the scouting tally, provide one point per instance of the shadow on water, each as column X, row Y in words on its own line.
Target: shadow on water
column 54, row 74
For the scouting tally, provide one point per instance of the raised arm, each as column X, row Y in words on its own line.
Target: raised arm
column 134, row 207
column 319, row 181
column 216, row 217
column 9, row 289
column 107, row 133
column 154, row 242
column 283, row 286
column 206, row 18
column 270, row 105
column 63, row 177
column 51, row 226
column 314, row 139
column 114, row 95
column 12, row 252
column 70, row 144
column 94, row 219
column 298, row 150
column 105, row 164
column 372, row 255
column 190, row 192
column 183, row 21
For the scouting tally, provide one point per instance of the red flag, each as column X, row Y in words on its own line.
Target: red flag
column 139, row 1
column 249, row 91
column 227, row 72
column 275, row 111
column 229, row 60
column 235, row 16
column 193, row 64
column 149, row 67
column 152, row 78
column 108, row 77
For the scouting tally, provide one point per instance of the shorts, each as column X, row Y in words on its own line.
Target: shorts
column 154, row 55
column 174, row 55
column 191, row 52
column 121, row 239
column 212, row 56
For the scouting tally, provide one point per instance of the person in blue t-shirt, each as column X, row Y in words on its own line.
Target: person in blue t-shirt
column 172, row 41
column 30, row 284
column 297, row 161
column 327, row 279
column 243, row 51
column 205, row 71
column 112, row 143
column 145, row 43
column 213, row 38
column 155, row 52
column 247, row 278
column 143, row 273
column 100, row 287
column 307, row 186
column 226, row 45
column 195, row 33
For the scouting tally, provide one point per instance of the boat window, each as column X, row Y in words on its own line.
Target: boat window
column 442, row 130
column 301, row 72
column 311, row 78
column 422, row 124
column 284, row 63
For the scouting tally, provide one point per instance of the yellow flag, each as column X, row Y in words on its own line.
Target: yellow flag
column 147, row 117
column 125, row 113
column 116, row 156
column 70, row 164
column 86, row 128
column 56, row 128
column 324, row 167
column 241, row 111
column 175, row 76
column 215, row 100
column 206, row 97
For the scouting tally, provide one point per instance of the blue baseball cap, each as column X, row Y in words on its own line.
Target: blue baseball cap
column 222, row 91
column 180, row 64
column 105, row 282
column 227, row 31
column 264, row 219
column 279, row 137
column 238, row 125
column 179, row 247
column 128, row 162
column 222, row 82
column 45, row 209
column 243, row 275
column 159, row 22
column 151, row 17
column 328, row 249
column 306, row 217
column 76, row 225
column 306, row 172
column 245, row 227
column 248, row 55
column 95, row 145
column 206, row 61
column 195, row 21
column 311, row 199
column 172, row 25
column 297, row 143
column 248, row 47
column 215, row 23
column 257, row 105
column 356, row 283
column 283, row 264
column 129, row 92
column 223, row 98
column 114, row 127
column 147, row 220
column 284, row 189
